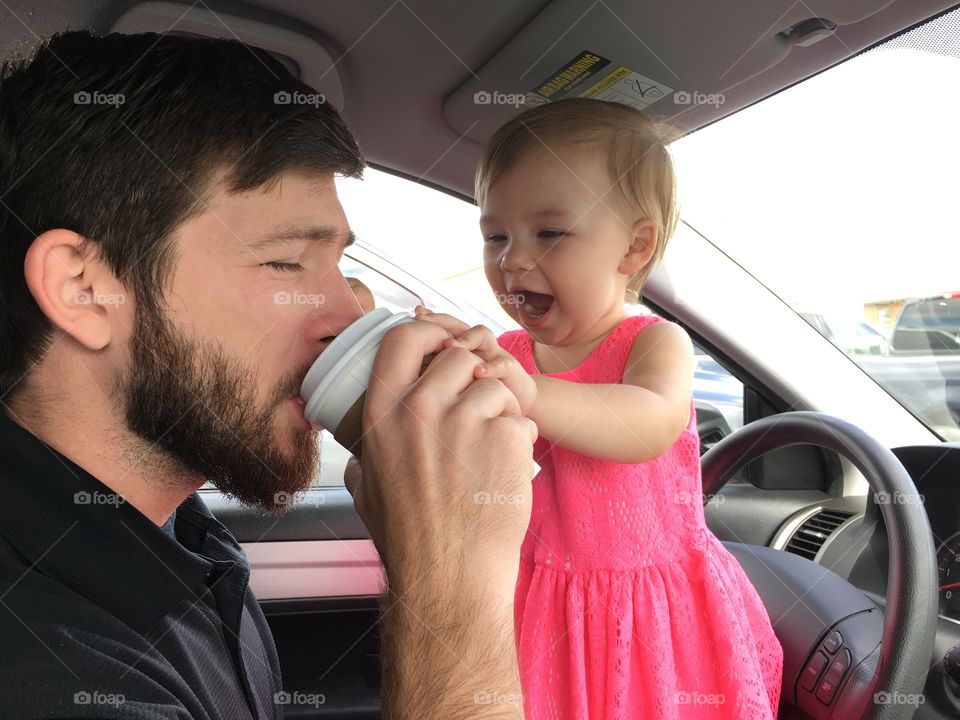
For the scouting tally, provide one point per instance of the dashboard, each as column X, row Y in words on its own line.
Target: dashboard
column 847, row 535
column 936, row 473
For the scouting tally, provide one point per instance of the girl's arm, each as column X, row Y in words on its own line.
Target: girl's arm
column 630, row 422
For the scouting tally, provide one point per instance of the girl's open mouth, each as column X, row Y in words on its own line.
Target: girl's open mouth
column 534, row 308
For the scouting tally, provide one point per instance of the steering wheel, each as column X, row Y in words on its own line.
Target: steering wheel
column 843, row 656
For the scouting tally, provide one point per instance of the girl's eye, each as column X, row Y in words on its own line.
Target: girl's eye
column 495, row 238
column 551, row 234
column 285, row 267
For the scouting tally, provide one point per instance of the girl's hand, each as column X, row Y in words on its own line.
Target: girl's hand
column 498, row 362
column 447, row 322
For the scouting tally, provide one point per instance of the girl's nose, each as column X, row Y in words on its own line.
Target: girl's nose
column 516, row 258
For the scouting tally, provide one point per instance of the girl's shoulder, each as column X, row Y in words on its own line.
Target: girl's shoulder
column 633, row 324
column 608, row 361
column 622, row 337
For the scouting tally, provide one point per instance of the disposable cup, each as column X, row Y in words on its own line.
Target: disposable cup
column 336, row 384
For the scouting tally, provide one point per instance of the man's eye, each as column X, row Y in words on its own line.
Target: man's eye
column 285, row 267
column 551, row 234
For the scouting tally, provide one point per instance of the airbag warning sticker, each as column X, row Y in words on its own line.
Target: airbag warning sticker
column 582, row 77
column 572, row 75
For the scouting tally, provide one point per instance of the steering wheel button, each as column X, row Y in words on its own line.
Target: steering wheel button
column 811, row 673
column 840, row 665
column 832, row 642
column 826, row 691
column 833, row 678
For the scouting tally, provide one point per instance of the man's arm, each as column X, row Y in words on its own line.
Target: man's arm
column 434, row 449
column 449, row 653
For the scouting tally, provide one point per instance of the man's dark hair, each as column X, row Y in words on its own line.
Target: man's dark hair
column 120, row 140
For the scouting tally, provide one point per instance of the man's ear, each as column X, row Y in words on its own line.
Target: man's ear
column 74, row 292
column 643, row 243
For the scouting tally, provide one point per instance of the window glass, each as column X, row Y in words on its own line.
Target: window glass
column 840, row 195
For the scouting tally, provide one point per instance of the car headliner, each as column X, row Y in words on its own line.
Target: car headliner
column 401, row 62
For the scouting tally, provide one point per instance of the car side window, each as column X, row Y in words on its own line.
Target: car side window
column 446, row 274
column 718, row 399
column 385, row 291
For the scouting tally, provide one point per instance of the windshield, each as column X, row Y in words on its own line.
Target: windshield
column 840, row 195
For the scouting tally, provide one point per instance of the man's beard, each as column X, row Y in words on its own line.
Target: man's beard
column 197, row 405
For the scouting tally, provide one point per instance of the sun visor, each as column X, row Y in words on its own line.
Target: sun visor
column 288, row 41
column 676, row 61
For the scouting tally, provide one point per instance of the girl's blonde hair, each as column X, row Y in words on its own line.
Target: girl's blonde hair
column 634, row 149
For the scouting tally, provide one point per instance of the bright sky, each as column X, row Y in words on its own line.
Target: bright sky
column 840, row 191
column 845, row 186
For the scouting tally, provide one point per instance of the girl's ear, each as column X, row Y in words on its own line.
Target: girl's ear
column 643, row 243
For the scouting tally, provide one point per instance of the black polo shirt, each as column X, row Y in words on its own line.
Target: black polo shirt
column 105, row 615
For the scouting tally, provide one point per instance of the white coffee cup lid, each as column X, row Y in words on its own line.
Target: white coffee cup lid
column 342, row 372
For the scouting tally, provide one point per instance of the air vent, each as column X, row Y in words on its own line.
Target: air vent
column 813, row 533
column 709, row 439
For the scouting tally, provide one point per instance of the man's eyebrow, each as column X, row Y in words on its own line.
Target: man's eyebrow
column 319, row 233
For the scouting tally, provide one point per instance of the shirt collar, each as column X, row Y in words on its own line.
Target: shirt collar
column 70, row 526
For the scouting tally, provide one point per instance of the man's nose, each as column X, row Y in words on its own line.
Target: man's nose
column 336, row 312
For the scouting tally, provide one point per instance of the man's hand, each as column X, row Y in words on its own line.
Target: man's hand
column 445, row 491
column 498, row 364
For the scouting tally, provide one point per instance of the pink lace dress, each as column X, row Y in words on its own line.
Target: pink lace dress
column 627, row 606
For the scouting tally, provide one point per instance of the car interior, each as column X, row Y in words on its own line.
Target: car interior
column 840, row 501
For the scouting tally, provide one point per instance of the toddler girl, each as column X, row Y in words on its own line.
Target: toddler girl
column 627, row 606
